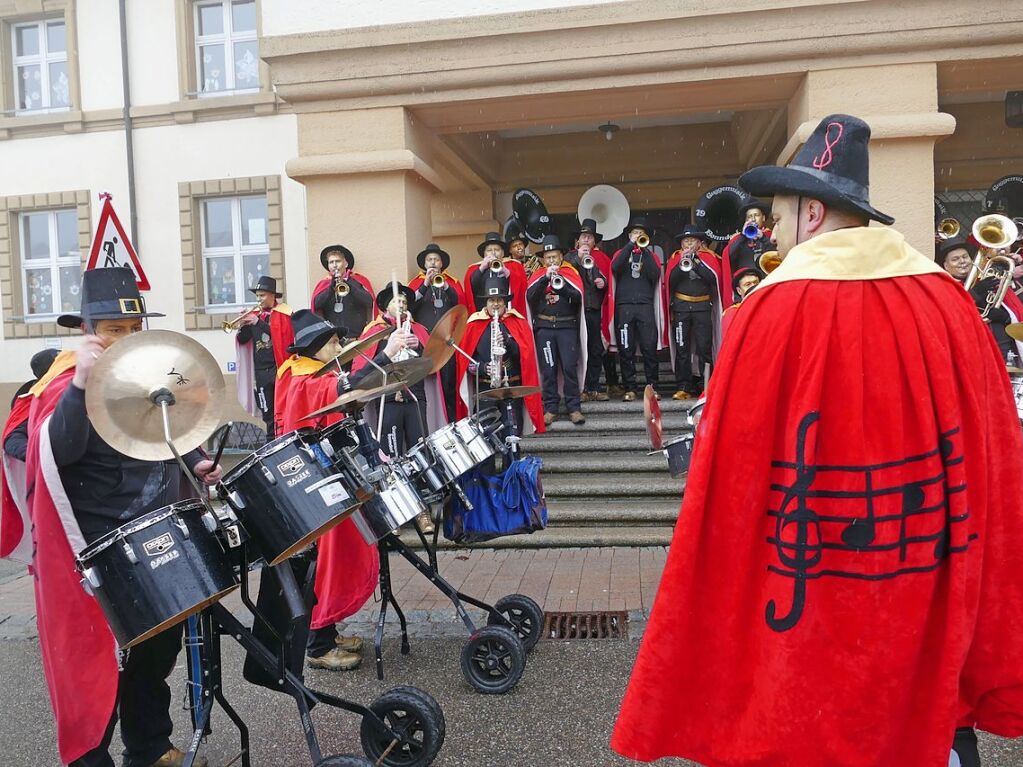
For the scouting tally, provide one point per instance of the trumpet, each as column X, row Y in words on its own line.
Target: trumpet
column 438, row 281
column 341, row 288
column 769, row 261
column 643, row 241
column 947, row 228
column 587, row 262
column 497, row 266
column 752, row 232
column 533, row 263
column 229, row 326
column 557, row 281
column 687, row 263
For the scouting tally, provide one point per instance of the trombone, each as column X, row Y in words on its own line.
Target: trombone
column 229, row 326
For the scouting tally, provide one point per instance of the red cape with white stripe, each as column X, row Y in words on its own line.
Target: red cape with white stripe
column 416, row 282
column 15, row 538
column 660, row 306
column 516, row 284
column 712, row 268
column 282, row 335
column 574, row 282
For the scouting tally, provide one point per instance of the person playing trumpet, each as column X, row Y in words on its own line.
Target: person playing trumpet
column 744, row 249
column 264, row 335
column 494, row 260
column 594, row 266
column 344, row 297
column 692, row 281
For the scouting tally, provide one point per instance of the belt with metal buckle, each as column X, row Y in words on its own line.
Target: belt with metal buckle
column 692, row 299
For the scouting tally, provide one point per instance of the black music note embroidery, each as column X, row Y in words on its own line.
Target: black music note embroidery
column 873, row 522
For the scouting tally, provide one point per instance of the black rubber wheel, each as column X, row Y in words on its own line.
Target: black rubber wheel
column 430, row 702
column 525, row 614
column 344, row 760
column 414, row 719
column 493, row 660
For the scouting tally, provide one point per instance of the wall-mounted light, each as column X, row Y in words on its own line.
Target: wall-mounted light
column 608, row 129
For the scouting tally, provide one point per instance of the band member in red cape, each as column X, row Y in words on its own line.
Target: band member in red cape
column 81, row 489
column 555, row 300
column 516, row 366
column 744, row 252
column 693, row 274
column 344, row 297
column 597, row 285
column 843, row 586
column 15, row 540
column 432, row 302
column 492, row 249
column 742, row 283
column 955, row 255
column 347, row 568
column 261, row 347
column 638, row 308
column 405, row 414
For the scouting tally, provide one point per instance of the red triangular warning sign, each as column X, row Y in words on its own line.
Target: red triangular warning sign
column 113, row 245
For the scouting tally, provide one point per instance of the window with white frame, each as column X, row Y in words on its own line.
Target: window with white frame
column 41, row 79
column 51, row 263
column 226, row 53
column 235, row 251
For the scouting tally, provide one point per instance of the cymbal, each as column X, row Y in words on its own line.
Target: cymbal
column 119, row 393
column 510, row 392
column 448, row 331
column 1013, row 371
column 652, row 417
column 407, row 372
column 355, row 399
column 1015, row 330
column 352, row 349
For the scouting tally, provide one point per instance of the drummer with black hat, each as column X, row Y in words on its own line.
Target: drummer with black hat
column 262, row 346
column 597, row 284
column 693, row 299
column 494, row 250
column 99, row 489
column 344, row 297
column 744, row 252
column 638, row 307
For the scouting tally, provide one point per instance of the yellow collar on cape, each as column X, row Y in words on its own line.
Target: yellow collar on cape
column 482, row 315
column 860, row 253
column 299, row 366
column 282, row 308
column 63, row 361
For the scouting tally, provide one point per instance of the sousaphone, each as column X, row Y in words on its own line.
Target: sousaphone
column 530, row 212
column 608, row 207
column 717, row 212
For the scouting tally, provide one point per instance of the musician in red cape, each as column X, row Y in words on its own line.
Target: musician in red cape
column 347, row 568
column 79, row 490
column 492, row 249
column 742, row 283
column 559, row 329
column 261, row 346
column 742, row 252
column 843, row 586
column 598, row 309
column 517, row 365
column 330, row 301
column 15, row 537
column 695, row 305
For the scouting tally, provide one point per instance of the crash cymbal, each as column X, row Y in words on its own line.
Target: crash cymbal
column 352, row 349
column 1015, row 330
column 446, row 333
column 510, row 392
column 1013, row 371
column 119, row 396
column 408, row 372
column 652, row 417
column 355, row 399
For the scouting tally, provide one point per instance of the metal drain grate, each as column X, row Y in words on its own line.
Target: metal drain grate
column 610, row 624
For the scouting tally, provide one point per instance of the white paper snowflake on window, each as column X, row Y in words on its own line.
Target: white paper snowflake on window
column 247, row 69
column 61, row 91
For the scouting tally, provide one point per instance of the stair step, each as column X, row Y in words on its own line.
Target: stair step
column 615, row 405
column 599, row 462
column 606, row 444
column 585, row 512
column 562, row 537
column 613, row 485
column 615, row 422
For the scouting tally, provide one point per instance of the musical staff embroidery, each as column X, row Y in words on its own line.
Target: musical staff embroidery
column 871, row 522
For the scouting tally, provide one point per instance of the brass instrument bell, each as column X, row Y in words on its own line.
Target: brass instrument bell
column 948, row 228
column 497, row 266
column 769, row 261
column 341, row 288
column 438, row 281
column 643, row 240
column 587, row 262
column 994, row 232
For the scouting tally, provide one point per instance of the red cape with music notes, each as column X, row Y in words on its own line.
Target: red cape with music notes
column 516, row 283
column 347, row 568
column 843, row 588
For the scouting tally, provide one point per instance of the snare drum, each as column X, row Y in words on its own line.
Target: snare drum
column 289, row 493
column 452, row 454
column 420, row 466
column 475, row 439
column 155, row 571
column 679, row 451
column 340, row 444
column 395, row 503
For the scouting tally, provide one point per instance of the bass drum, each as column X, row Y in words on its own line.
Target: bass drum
column 155, row 571
column 717, row 212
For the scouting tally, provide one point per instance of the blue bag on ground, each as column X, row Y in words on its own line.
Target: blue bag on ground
column 503, row 504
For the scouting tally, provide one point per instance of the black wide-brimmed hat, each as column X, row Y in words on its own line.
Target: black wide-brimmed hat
column 639, row 222
column 552, row 242
column 108, row 294
column 384, row 296
column 337, row 249
column 692, row 230
column 588, row 226
column 267, row 284
column 952, row 243
column 496, row 286
column 492, row 238
column 445, row 259
column 41, row 361
column 311, row 332
column 753, row 202
column 513, row 230
column 744, row 272
column 833, row 166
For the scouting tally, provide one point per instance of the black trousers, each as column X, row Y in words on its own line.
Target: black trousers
column 611, row 368
column 143, row 704
column 691, row 332
column 594, row 350
column 558, row 349
column 264, row 389
column 402, row 426
column 636, row 326
column 447, row 385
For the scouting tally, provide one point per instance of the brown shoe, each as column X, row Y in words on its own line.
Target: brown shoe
column 549, row 418
column 350, row 644
column 425, row 523
column 585, row 397
column 577, row 418
column 335, row 660
column 680, row 394
column 175, row 758
column 629, row 396
column 600, row 396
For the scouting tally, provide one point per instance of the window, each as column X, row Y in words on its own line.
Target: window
column 40, row 61
column 226, row 53
column 51, row 262
column 235, row 249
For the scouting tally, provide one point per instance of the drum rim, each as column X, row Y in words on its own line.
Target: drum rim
column 259, row 454
column 311, row 537
column 135, row 525
column 677, row 440
column 183, row 615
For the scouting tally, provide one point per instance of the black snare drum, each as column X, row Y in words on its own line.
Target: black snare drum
column 289, row 493
column 679, row 451
column 155, row 571
column 340, row 443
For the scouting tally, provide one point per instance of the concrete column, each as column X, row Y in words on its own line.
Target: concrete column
column 900, row 103
column 369, row 184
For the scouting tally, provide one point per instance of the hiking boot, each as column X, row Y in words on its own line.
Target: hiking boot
column 175, row 758
column 577, row 418
column 425, row 523
column 680, row 394
column 549, row 418
column 629, row 396
column 349, row 644
column 585, row 397
column 600, row 396
column 335, row 660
